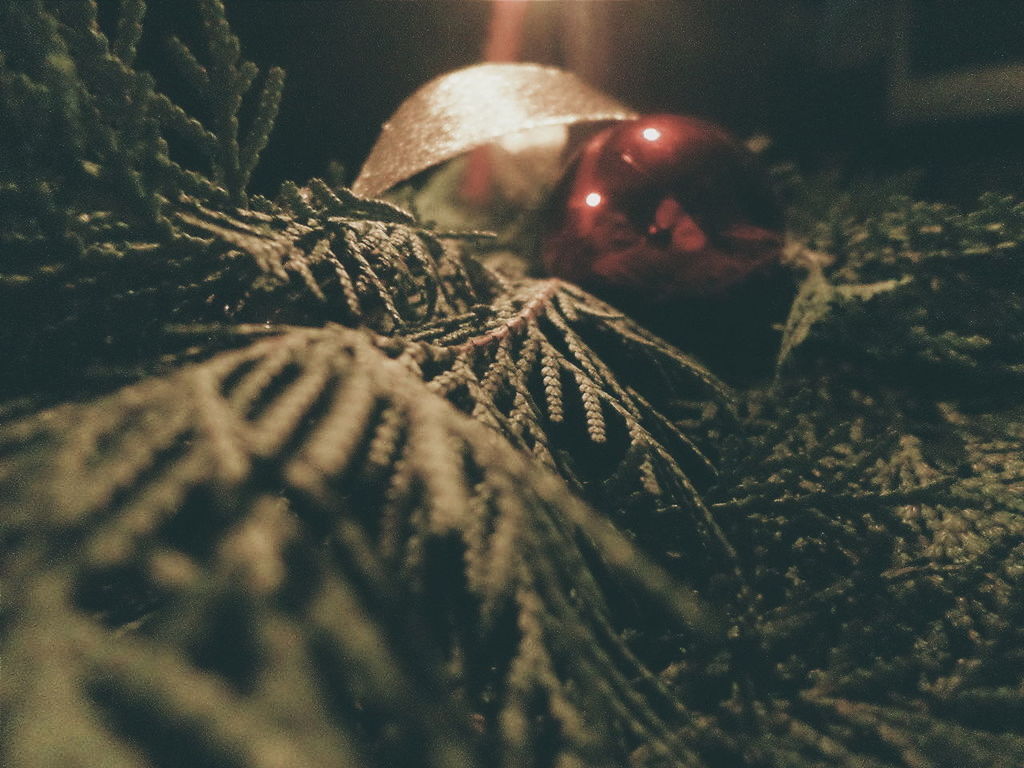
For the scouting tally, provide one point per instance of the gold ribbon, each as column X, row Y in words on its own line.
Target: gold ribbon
column 475, row 106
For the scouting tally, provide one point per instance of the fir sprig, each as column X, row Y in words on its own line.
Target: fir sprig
column 131, row 476
column 953, row 278
column 870, row 487
column 538, row 374
column 222, row 85
column 70, row 89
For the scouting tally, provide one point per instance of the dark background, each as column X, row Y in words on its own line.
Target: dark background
column 812, row 74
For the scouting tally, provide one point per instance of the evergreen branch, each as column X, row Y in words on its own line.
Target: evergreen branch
column 129, row 30
column 258, row 134
column 229, row 79
column 529, row 312
column 194, row 73
column 251, row 410
column 177, row 119
column 345, row 201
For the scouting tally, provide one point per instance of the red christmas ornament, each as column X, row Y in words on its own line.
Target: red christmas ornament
column 660, row 208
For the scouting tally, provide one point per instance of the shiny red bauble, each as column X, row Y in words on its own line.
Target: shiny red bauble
column 661, row 208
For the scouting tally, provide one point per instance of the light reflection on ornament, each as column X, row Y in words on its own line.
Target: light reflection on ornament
column 651, row 134
column 593, row 199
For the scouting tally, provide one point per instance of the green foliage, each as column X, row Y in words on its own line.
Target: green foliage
column 316, row 257
column 222, row 85
column 85, row 132
column 300, row 482
column 298, row 508
column 954, row 280
column 876, row 491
